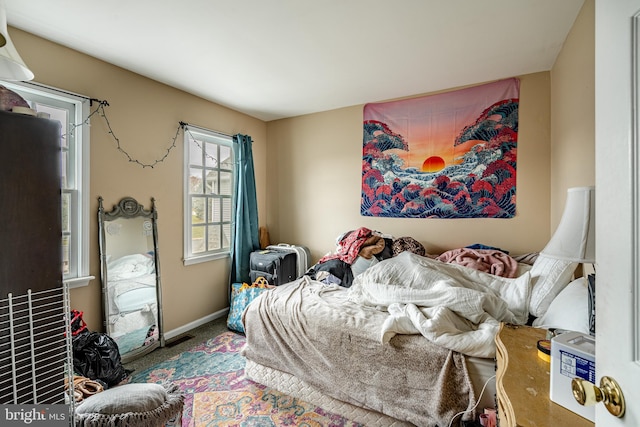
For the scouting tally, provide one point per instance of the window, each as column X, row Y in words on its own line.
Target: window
column 208, row 188
column 71, row 111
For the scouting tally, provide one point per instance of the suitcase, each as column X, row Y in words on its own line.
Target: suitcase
column 278, row 267
column 303, row 256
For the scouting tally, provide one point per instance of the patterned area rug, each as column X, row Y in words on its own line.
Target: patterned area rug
column 217, row 394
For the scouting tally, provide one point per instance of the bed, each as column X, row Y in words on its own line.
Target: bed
column 410, row 342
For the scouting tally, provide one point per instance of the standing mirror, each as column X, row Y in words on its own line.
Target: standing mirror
column 132, row 297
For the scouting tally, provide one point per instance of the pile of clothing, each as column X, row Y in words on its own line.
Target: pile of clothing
column 357, row 250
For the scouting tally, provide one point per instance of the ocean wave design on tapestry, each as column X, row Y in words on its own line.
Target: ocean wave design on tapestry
column 481, row 185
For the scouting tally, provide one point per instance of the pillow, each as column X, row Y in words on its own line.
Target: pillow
column 569, row 310
column 153, row 404
column 125, row 398
column 549, row 276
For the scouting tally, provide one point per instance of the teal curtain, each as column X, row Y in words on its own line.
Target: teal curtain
column 245, row 234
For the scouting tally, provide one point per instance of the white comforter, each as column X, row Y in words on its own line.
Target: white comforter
column 453, row 306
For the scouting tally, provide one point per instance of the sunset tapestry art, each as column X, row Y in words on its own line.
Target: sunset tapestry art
column 450, row 155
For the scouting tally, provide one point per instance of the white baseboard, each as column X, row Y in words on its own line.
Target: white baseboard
column 192, row 325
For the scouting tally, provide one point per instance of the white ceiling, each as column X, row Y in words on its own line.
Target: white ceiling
column 283, row 58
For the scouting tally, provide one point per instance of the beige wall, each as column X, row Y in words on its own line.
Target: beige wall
column 314, row 177
column 144, row 116
column 315, row 164
column 573, row 112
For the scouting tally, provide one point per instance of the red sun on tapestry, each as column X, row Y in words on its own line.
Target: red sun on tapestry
column 433, row 164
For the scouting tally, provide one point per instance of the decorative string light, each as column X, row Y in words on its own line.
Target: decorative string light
column 181, row 126
column 100, row 110
column 185, row 128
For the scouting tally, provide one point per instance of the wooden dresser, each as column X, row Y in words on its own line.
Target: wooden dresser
column 522, row 382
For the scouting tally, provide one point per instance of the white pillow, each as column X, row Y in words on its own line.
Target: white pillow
column 135, row 397
column 549, row 276
column 131, row 404
column 569, row 310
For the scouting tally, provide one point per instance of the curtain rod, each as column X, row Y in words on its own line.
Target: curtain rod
column 30, row 83
column 206, row 130
column 66, row 92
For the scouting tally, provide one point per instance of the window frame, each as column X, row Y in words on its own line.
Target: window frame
column 210, row 137
column 34, row 93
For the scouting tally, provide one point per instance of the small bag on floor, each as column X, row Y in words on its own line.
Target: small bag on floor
column 241, row 295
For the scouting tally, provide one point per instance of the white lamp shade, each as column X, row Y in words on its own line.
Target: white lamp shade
column 575, row 237
column 12, row 67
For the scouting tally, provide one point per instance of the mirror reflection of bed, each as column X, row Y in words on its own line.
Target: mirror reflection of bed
column 132, row 309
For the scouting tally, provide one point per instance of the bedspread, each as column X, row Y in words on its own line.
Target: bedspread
column 453, row 306
column 312, row 331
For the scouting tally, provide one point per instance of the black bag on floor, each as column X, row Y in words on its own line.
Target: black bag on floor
column 96, row 356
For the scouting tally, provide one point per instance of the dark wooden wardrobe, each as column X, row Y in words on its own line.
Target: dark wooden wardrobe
column 33, row 347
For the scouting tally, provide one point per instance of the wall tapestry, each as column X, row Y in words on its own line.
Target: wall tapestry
column 450, row 155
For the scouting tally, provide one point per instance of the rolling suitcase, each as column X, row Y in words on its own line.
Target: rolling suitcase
column 278, row 267
column 303, row 256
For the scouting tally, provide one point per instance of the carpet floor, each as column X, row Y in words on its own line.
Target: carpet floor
column 211, row 376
